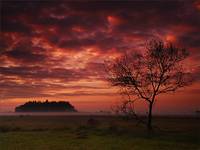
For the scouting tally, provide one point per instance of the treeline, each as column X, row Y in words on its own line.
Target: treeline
column 47, row 106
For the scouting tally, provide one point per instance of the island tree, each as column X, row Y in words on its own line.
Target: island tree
column 144, row 76
column 47, row 106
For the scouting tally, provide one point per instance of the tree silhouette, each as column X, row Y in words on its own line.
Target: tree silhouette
column 47, row 106
column 144, row 76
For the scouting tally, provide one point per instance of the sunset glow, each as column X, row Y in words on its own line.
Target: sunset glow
column 56, row 50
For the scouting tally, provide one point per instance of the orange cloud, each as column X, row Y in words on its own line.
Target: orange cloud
column 114, row 20
column 78, row 29
column 170, row 38
column 57, row 51
column 197, row 4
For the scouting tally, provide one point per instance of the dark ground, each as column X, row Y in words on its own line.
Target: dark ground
column 98, row 133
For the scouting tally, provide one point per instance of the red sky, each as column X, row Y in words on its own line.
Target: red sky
column 55, row 50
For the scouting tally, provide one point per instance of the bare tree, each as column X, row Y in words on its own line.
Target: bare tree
column 144, row 76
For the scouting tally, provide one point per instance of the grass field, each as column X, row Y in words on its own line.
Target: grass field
column 99, row 133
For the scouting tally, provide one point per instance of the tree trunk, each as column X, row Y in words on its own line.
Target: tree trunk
column 149, row 121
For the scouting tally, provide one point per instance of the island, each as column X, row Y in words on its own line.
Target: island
column 47, row 106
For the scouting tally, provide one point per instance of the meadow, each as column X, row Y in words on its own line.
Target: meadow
column 97, row 133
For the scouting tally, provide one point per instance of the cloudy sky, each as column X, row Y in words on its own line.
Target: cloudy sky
column 56, row 49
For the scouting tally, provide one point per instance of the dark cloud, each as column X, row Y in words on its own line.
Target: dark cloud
column 24, row 55
column 191, row 39
column 25, row 52
column 98, row 39
column 14, row 26
column 37, row 72
column 48, row 40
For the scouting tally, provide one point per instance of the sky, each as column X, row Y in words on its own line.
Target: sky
column 55, row 50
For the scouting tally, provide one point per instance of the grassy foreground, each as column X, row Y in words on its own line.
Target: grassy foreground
column 99, row 133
